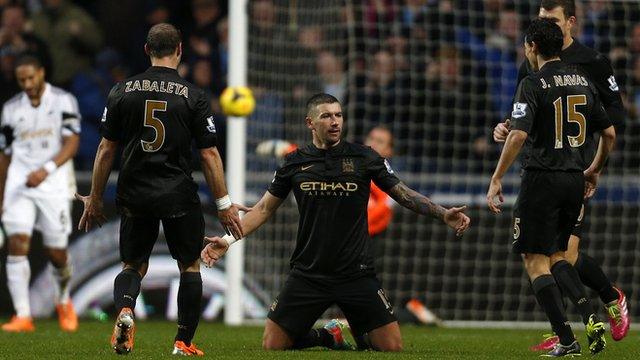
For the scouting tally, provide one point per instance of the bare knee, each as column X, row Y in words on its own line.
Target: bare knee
column 19, row 244
column 275, row 338
column 193, row 267
column 271, row 342
column 58, row 257
column 386, row 338
column 536, row 265
column 390, row 345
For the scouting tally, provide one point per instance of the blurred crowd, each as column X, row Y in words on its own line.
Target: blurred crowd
column 439, row 74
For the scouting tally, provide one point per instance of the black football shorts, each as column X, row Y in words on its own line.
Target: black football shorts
column 184, row 236
column 546, row 211
column 303, row 300
column 579, row 226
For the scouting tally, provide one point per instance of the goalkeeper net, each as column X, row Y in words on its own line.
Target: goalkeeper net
column 439, row 75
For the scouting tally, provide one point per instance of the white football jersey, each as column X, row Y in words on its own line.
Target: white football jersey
column 33, row 136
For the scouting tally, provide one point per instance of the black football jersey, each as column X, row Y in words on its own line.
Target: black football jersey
column 559, row 108
column 598, row 69
column 331, row 188
column 599, row 72
column 156, row 116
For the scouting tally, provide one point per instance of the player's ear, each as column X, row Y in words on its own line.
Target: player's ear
column 146, row 49
column 309, row 122
column 179, row 50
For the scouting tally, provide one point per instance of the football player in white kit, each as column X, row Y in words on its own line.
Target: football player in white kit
column 40, row 135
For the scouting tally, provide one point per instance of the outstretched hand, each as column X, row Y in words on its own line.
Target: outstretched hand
column 92, row 213
column 215, row 249
column 456, row 219
column 230, row 220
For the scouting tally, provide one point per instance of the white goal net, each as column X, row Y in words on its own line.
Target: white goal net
column 440, row 75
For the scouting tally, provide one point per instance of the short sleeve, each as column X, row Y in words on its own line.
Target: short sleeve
column 524, row 106
column 71, row 117
column 203, row 126
column 111, row 122
column 381, row 172
column 601, row 73
column 599, row 118
column 281, row 183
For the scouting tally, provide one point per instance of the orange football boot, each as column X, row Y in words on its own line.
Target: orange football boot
column 19, row 324
column 123, row 332
column 67, row 317
column 180, row 348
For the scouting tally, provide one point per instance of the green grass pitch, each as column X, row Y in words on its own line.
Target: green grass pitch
column 154, row 340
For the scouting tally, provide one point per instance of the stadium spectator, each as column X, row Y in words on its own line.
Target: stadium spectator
column 14, row 42
column 155, row 12
column 333, row 80
column 72, row 35
column 634, row 40
column 634, row 94
column 454, row 113
column 223, row 46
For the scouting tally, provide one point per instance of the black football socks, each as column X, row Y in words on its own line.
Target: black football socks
column 126, row 288
column 189, row 303
column 568, row 279
column 548, row 296
column 591, row 275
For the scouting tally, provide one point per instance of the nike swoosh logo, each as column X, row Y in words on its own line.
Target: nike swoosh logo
column 306, row 167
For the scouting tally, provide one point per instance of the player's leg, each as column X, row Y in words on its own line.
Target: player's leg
column 592, row 275
column 19, row 217
column 536, row 218
column 292, row 314
column 184, row 237
column 54, row 222
column 370, row 314
column 548, row 296
column 137, row 236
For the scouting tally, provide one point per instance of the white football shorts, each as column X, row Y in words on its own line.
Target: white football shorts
column 51, row 216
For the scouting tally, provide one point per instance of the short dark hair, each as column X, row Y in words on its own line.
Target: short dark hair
column 547, row 35
column 163, row 40
column 318, row 99
column 568, row 6
column 29, row 60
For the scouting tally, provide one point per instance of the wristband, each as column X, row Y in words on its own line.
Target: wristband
column 50, row 166
column 223, row 203
column 229, row 239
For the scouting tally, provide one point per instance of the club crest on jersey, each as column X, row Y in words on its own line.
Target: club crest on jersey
column 347, row 166
column 519, row 110
column 212, row 126
column 388, row 166
column 104, row 115
column 613, row 85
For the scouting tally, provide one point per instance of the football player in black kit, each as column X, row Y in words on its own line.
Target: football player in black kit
column 599, row 72
column 156, row 115
column 333, row 259
column 555, row 110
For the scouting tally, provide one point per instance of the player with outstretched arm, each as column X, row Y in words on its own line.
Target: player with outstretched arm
column 333, row 259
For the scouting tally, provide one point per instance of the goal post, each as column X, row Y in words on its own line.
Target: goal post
column 236, row 159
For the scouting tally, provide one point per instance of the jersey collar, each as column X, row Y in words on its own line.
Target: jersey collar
column 313, row 150
column 161, row 69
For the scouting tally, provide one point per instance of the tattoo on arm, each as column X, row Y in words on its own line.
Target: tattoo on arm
column 415, row 201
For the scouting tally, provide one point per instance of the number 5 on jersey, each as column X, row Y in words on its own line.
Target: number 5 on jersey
column 150, row 120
